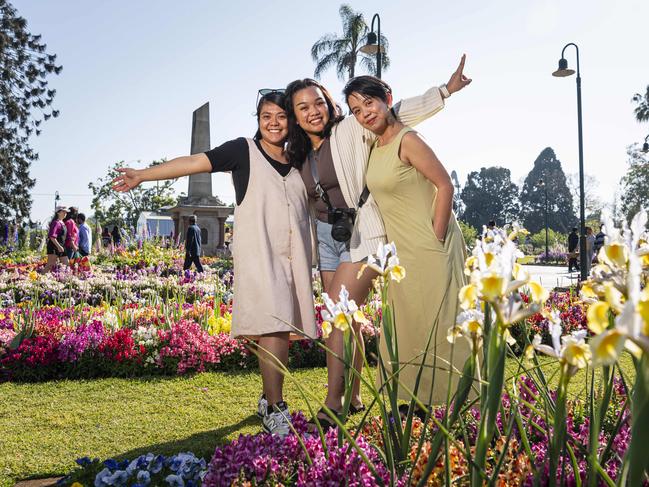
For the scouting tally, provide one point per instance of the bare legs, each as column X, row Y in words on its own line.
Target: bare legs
column 345, row 274
column 273, row 345
column 51, row 261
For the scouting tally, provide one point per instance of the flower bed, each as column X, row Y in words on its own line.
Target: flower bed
column 51, row 342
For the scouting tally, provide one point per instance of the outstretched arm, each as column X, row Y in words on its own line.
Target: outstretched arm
column 175, row 168
column 417, row 153
column 412, row 111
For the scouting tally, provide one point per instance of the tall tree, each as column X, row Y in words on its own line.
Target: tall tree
column 635, row 183
column 343, row 52
column 490, row 195
column 594, row 204
column 24, row 104
column 124, row 208
column 642, row 109
column 561, row 215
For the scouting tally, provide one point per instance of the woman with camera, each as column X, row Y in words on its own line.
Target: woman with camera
column 272, row 251
column 331, row 152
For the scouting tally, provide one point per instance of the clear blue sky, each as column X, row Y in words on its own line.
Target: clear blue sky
column 135, row 70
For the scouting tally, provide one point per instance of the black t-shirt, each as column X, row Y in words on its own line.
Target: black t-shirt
column 234, row 156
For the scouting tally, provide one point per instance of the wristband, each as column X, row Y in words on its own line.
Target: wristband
column 444, row 91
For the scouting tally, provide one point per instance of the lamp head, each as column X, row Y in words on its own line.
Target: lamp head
column 563, row 70
column 645, row 147
column 372, row 46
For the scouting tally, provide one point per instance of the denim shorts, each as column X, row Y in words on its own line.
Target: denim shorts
column 331, row 253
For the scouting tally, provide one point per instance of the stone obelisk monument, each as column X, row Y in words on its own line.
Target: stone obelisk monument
column 199, row 201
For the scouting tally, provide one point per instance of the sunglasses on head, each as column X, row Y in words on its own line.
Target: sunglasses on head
column 268, row 91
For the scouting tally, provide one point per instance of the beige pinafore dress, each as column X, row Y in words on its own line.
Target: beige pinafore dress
column 271, row 251
column 426, row 300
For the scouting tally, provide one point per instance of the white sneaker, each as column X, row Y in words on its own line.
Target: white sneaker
column 262, row 406
column 276, row 422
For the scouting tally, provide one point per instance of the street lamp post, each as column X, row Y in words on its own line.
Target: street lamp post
column 645, row 146
column 542, row 184
column 562, row 72
column 373, row 45
column 56, row 200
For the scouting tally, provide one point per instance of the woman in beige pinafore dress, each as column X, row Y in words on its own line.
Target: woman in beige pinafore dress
column 425, row 302
column 271, row 248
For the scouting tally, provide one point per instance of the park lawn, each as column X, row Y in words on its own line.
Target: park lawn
column 44, row 427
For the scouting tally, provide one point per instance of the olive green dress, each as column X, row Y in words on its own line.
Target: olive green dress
column 425, row 302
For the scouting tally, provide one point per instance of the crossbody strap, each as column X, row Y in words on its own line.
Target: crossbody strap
column 322, row 193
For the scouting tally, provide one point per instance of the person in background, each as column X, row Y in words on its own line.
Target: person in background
column 56, row 239
column 105, row 237
column 193, row 246
column 85, row 235
column 117, row 237
column 573, row 243
column 599, row 241
column 72, row 236
column 590, row 248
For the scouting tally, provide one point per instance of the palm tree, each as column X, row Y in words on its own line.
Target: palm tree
column 642, row 110
column 343, row 52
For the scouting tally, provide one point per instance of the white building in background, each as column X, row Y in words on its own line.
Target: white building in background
column 152, row 224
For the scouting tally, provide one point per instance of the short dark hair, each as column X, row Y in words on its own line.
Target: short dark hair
column 367, row 86
column 574, row 229
column 192, row 219
column 81, row 217
column 298, row 143
column 492, row 223
column 274, row 97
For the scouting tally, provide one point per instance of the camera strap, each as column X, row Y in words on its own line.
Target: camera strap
column 322, row 193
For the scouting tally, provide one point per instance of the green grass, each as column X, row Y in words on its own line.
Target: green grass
column 45, row 427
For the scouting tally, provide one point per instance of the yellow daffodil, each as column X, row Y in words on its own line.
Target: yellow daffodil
column 326, row 329
column 642, row 309
column 538, row 293
column 614, row 297
column 397, row 273
column 616, row 254
column 598, row 317
column 492, row 286
column 607, row 346
column 576, row 353
column 468, row 296
column 359, row 317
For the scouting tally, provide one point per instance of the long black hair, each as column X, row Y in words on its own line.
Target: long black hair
column 274, row 97
column 298, row 143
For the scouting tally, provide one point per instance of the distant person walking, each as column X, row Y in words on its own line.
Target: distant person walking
column 599, row 241
column 590, row 248
column 85, row 235
column 56, row 239
column 117, row 237
column 72, row 237
column 193, row 246
column 573, row 244
column 105, row 237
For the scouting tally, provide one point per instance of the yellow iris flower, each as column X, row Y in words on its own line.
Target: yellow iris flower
column 607, row 347
column 597, row 316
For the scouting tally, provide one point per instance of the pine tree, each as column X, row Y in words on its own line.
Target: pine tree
column 24, row 104
column 561, row 214
column 490, row 195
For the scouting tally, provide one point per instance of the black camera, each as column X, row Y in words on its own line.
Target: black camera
column 342, row 223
